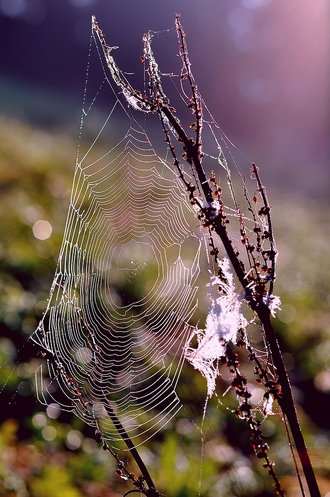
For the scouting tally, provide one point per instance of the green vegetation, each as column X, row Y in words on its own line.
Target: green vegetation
column 53, row 454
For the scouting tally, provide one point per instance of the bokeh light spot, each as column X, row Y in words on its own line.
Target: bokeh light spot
column 287, row 314
column 254, row 4
column 13, row 8
column 39, row 420
column 74, row 439
column 45, row 249
column 322, row 381
column 31, row 214
column 42, row 229
column 53, row 411
column 49, row 433
column 89, row 446
column 240, row 20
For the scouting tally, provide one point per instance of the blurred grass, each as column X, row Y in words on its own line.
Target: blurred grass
column 44, row 455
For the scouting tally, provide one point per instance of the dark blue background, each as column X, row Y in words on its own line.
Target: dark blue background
column 262, row 66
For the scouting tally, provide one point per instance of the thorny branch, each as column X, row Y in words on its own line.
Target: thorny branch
column 257, row 281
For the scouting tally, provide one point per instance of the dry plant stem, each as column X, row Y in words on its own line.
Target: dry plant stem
column 245, row 411
column 158, row 103
column 261, row 309
column 138, row 482
column 262, row 191
column 286, row 402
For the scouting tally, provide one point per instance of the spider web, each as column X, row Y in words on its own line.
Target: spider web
column 124, row 303
column 125, row 288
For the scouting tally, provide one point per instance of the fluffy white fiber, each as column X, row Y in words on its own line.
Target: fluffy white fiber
column 224, row 320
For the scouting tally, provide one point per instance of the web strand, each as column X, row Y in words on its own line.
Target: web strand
column 123, row 293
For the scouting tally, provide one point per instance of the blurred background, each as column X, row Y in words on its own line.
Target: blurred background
column 263, row 68
column 262, row 65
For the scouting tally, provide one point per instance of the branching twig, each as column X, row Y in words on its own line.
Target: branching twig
column 258, row 284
